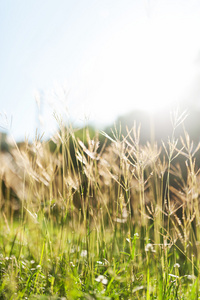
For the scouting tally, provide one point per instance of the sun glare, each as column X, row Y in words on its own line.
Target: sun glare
column 148, row 67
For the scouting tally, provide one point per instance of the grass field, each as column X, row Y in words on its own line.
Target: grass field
column 108, row 223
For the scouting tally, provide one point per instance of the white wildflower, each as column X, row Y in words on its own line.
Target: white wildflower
column 176, row 265
column 190, row 277
column 83, row 253
column 38, row 267
column 72, row 264
column 102, row 279
column 149, row 248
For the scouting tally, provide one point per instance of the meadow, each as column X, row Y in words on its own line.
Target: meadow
column 98, row 216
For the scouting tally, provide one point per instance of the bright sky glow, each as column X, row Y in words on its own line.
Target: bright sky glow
column 95, row 59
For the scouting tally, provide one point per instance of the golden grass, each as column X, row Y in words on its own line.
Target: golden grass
column 119, row 188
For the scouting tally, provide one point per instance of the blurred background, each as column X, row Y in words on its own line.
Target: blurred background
column 96, row 61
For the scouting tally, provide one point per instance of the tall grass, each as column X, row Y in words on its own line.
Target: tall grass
column 100, row 221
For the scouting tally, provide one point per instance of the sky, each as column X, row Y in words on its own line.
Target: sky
column 93, row 60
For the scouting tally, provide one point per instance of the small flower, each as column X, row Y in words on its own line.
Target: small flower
column 83, row 253
column 190, row 277
column 38, row 267
column 102, row 279
column 149, row 248
column 72, row 264
column 176, row 265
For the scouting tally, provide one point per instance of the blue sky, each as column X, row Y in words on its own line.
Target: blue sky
column 94, row 59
